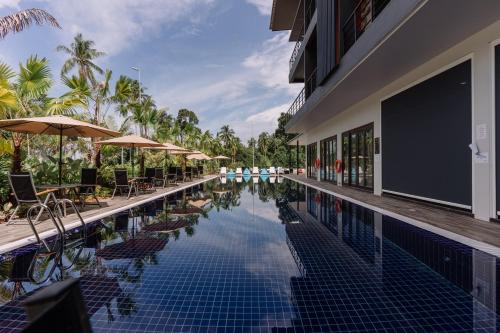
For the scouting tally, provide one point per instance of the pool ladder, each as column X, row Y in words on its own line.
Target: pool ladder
column 64, row 240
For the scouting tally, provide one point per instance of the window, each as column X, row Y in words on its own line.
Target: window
column 328, row 156
column 312, row 155
column 357, row 156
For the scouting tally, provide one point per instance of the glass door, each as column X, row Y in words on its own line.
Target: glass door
column 312, row 153
column 328, row 156
column 357, row 156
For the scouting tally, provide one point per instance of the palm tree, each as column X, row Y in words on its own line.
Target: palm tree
column 186, row 121
column 21, row 20
column 25, row 97
column 226, row 135
column 263, row 143
column 81, row 55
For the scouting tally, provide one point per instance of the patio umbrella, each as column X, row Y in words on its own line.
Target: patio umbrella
column 199, row 156
column 131, row 141
column 56, row 125
column 131, row 249
column 221, row 157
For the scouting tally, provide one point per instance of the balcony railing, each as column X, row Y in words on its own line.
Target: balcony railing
column 311, row 83
column 356, row 24
column 295, row 53
column 296, row 105
column 309, row 12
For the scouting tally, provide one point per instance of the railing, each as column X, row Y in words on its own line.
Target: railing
column 295, row 53
column 363, row 14
column 309, row 12
column 311, row 83
column 296, row 105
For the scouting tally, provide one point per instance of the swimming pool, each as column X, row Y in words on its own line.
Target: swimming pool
column 262, row 257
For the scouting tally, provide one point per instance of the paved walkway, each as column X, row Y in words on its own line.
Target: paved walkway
column 16, row 235
column 463, row 228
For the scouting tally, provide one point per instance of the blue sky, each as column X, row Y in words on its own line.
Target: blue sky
column 216, row 57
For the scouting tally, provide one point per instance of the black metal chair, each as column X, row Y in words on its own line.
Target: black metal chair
column 172, row 176
column 180, row 175
column 188, row 174
column 88, row 184
column 149, row 174
column 123, row 183
column 160, row 177
column 25, row 193
column 200, row 171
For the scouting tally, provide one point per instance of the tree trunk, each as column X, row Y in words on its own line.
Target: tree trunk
column 98, row 158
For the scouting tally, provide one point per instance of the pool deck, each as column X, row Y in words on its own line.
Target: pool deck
column 16, row 235
column 480, row 234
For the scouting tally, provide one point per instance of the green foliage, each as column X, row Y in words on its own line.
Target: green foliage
column 4, row 182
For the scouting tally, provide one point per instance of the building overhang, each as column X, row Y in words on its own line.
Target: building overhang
column 389, row 50
column 283, row 14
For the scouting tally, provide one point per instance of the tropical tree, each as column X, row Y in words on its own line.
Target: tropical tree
column 263, row 143
column 81, row 54
column 226, row 135
column 21, row 20
column 186, row 121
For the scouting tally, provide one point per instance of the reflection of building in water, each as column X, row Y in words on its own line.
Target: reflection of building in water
column 361, row 270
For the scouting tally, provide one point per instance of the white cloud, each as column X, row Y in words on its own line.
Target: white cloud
column 270, row 63
column 264, row 6
column 10, row 4
column 116, row 24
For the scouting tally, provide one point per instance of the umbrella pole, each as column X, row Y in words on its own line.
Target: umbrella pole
column 60, row 156
column 132, row 158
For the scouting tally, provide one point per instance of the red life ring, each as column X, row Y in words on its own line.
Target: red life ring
column 317, row 198
column 338, row 166
column 338, row 206
column 317, row 163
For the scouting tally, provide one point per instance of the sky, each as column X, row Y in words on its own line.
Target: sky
column 215, row 57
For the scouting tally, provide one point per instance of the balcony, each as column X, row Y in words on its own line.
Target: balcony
column 295, row 53
column 360, row 19
column 296, row 105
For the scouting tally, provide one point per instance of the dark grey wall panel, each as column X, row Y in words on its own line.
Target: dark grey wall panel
column 328, row 41
column 426, row 131
column 497, row 122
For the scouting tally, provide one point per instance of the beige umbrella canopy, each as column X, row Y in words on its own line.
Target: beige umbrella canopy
column 56, row 125
column 220, row 157
column 131, row 141
column 171, row 147
column 198, row 155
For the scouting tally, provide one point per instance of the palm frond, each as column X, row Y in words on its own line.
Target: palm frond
column 34, row 77
column 21, row 20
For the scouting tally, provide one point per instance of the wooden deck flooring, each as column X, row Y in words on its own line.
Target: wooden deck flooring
column 455, row 225
column 16, row 235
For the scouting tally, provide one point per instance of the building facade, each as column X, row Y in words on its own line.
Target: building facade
column 400, row 96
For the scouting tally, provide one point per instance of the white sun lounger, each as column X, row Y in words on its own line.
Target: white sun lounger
column 272, row 170
column 238, row 171
column 255, row 170
column 223, row 171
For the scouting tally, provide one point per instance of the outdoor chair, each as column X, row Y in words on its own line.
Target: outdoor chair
column 180, row 176
column 200, row 171
column 188, row 174
column 272, row 170
column 239, row 172
column 25, row 193
column 194, row 172
column 160, row 177
column 255, row 170
column 172, row 176
column 149, row 174
column 223, row 171
column 123, row 183
column 88, row 183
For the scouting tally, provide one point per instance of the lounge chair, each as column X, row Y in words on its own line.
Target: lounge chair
column 25, row 194
column 88, row 184
column 246, row 172
column 123, row 183
column 255, row 170
column 160, row 177
column 272, row 179
column 172, row 176
column 239, row 172
column 200, row 171
column 150, row 174
column 180, row 175
column 194, row 172
column 272, row 171
column 223, row 171
column 264, row 172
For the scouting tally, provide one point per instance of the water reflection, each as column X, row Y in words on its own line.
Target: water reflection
column 268, row 256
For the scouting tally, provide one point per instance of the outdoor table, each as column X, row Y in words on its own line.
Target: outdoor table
column 136, row 181
column 61, row 190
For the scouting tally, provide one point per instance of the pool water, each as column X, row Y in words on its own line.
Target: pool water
column 262, row 257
